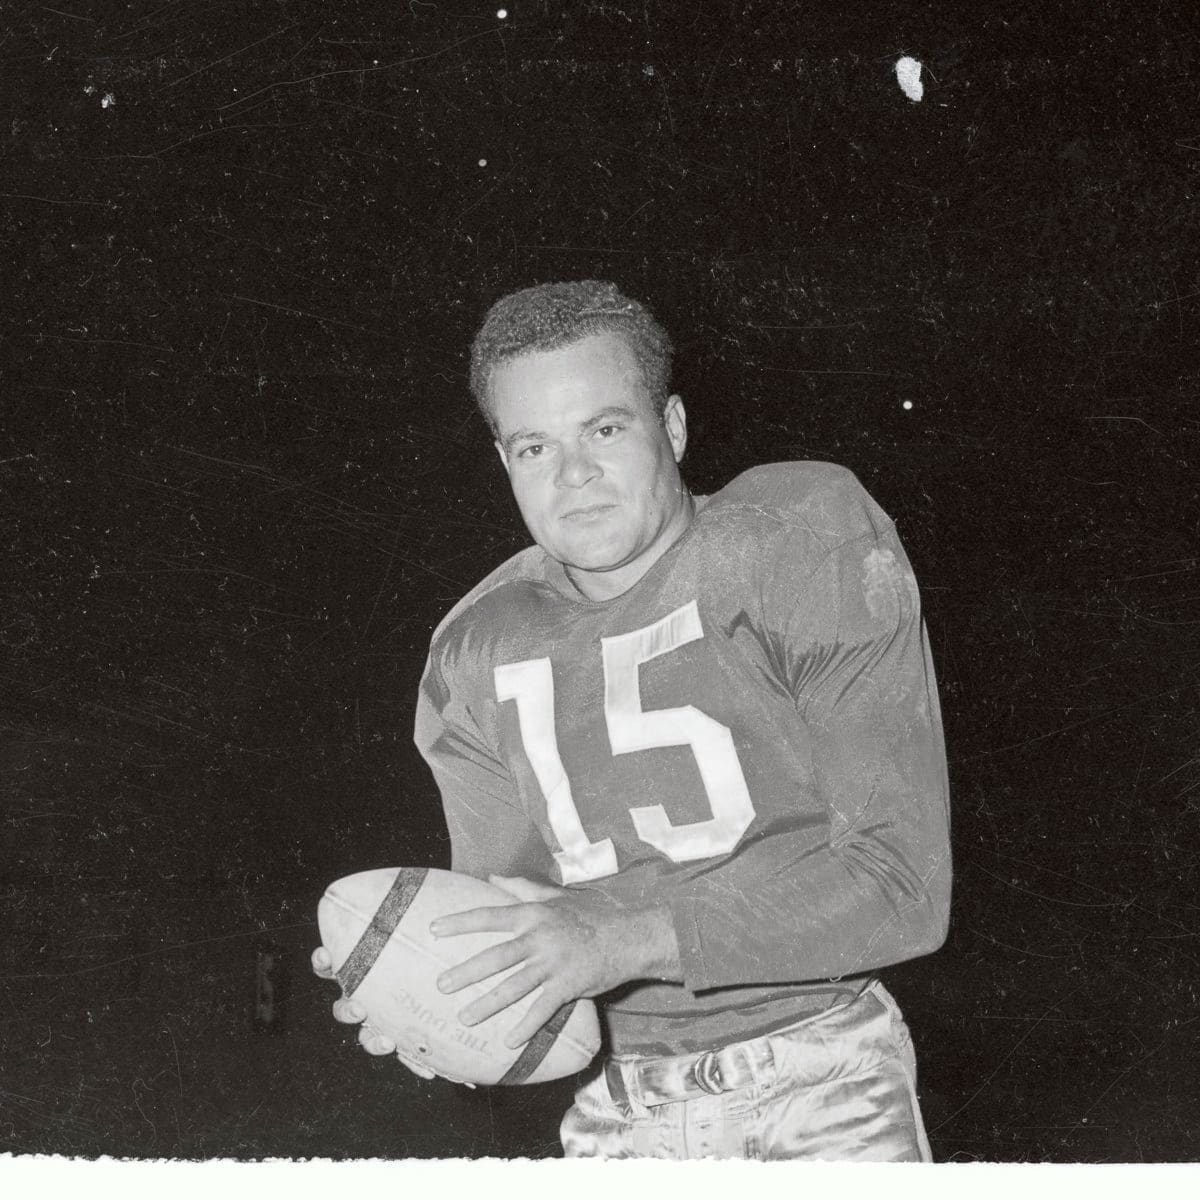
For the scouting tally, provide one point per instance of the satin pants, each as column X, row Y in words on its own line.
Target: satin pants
column 839, row 1087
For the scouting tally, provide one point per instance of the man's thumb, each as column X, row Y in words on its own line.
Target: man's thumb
column 526, row 890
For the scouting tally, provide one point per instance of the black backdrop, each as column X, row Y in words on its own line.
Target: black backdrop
column 245, row 246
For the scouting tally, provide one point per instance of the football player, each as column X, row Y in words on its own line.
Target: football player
column 698, row 738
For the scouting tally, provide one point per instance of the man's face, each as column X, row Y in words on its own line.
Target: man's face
column 594, row 472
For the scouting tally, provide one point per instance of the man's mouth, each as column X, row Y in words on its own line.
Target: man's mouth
column 590, row 510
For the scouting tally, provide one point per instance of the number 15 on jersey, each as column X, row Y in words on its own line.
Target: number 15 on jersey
column 631, row 730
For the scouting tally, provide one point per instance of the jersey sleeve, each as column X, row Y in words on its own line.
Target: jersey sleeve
column 874, row 889
column 490, row 833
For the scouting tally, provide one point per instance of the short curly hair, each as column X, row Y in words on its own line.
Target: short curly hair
column 553, row 315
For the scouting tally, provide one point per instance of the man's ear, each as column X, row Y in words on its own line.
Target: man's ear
column 503, row 456
column 674, row 421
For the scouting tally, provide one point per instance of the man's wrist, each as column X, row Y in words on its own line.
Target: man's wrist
column 652, row 944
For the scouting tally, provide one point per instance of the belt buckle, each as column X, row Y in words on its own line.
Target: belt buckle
column 706, row 1071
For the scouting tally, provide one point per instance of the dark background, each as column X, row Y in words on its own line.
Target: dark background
column 245, row 246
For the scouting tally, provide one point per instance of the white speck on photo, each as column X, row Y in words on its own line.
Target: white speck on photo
column 908, row 76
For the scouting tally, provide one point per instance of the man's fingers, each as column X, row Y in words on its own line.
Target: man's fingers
column 482, row 965
column 322, row 963
column 540, row 1011
column 374, row 1042
column 498, row 918
column 418, row 1068
column 348, row 1012
column 517, row 985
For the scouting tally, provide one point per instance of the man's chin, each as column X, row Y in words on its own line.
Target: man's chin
column 591, row 565
column 588, row 550
column 592, row 560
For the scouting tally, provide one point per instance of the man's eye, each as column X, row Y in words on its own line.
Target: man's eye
column 533, row 451
column 608, row 431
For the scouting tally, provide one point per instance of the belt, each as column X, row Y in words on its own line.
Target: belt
column 661, row 1080
column 859, row 1031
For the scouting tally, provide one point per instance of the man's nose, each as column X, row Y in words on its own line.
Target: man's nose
column 576, row 467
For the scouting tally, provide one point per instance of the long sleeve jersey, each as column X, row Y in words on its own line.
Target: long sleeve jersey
column 749, row 735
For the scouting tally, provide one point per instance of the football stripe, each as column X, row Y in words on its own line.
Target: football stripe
column 538, row 1046
column 383, row 924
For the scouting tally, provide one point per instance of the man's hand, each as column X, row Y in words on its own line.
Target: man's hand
column 565, row 943
column 348, row 1012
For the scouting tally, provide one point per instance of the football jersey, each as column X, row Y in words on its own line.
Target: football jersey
column 749, row 735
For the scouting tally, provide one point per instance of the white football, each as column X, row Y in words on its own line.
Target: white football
column 375, row 926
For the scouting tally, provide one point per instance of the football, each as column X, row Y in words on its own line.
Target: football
column 375, row 926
